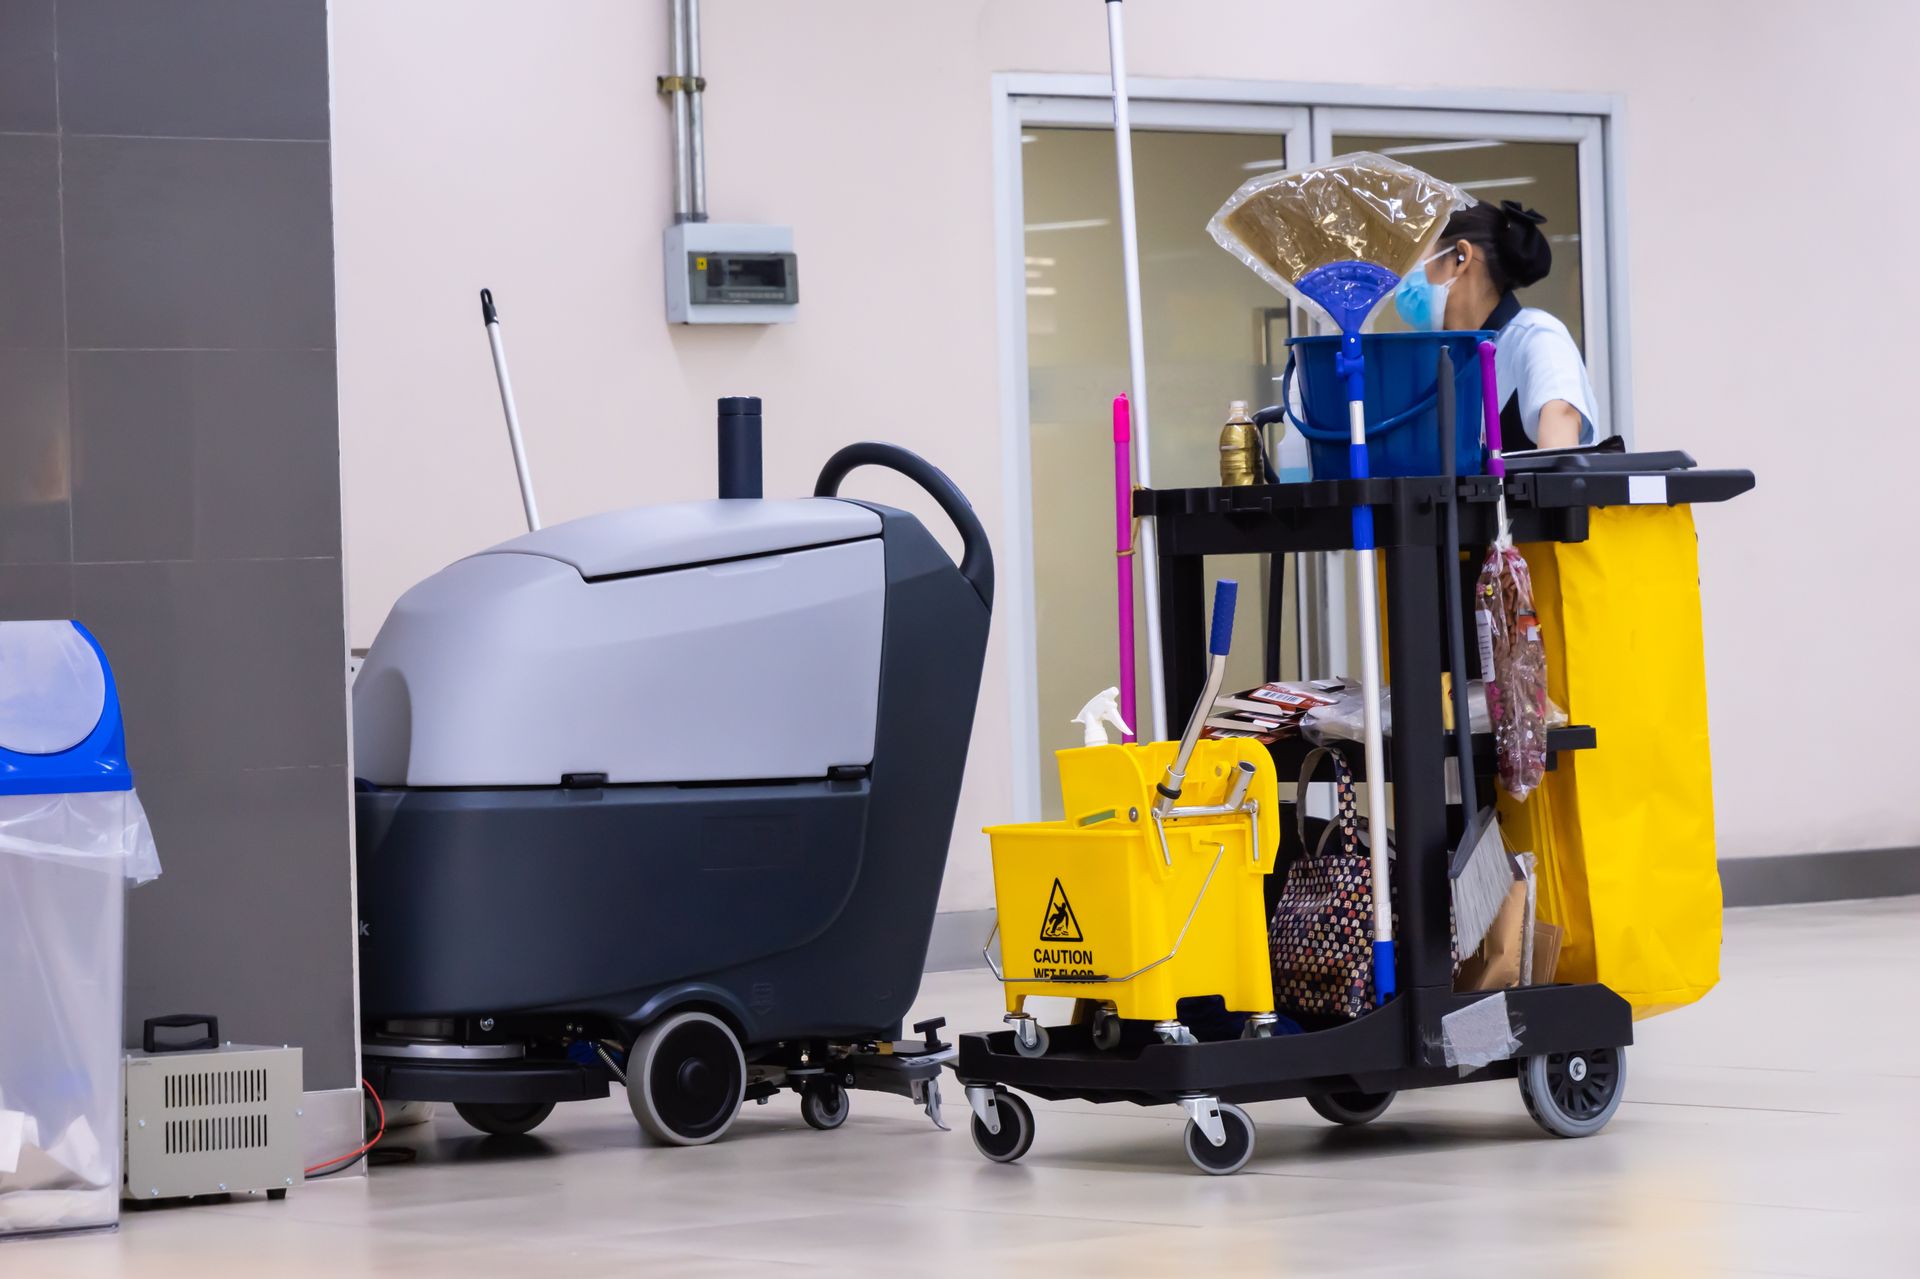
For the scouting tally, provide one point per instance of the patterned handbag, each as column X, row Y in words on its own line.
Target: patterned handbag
column 1321, row 934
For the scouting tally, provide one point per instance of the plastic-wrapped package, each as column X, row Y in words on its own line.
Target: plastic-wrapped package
column 1511, row 648
column 65, row 861
column 1359, row 207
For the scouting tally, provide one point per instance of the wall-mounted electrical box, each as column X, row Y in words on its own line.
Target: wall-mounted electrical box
column 731, row 273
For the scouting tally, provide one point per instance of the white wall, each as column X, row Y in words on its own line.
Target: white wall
column 522, row 146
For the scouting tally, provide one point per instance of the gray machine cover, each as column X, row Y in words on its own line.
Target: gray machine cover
column 693, row 642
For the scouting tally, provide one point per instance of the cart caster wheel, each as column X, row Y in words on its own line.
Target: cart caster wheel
column 1574, row 1094
column 1229, row 1158
column 1257, row 1030
column 1351, row 1108
column 500, row 1120
column 1107, row 1029
column 686, row 1078
column 1016, row 1129
column 1030, row 1038
column 824, row 1104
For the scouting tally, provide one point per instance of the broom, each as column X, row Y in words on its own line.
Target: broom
column 1480, row 869
column 1339, row 236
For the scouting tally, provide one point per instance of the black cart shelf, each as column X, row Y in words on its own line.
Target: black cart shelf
column 1399, row 1045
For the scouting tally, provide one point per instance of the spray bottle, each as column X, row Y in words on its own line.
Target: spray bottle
column 1103, row 709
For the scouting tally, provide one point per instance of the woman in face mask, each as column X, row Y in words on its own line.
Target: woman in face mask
column 1486, row 252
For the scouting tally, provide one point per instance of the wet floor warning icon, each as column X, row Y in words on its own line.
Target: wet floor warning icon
column 1059, row 925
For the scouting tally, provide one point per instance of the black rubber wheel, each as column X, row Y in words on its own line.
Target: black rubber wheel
column 1107, row 1029
column 1574, row 1094
column 1229, row 1158
column 1351, row 1108
column 686, row 1078
column 1016, row 1129
column 499, row 1119
column 824, row 1104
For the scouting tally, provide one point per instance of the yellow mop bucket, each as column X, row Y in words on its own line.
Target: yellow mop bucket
column 1115, row 905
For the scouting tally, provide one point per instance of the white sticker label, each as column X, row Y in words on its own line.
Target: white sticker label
column 1647, row 490
column 1483, row 623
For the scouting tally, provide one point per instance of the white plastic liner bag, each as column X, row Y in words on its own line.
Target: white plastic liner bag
column 65, row 863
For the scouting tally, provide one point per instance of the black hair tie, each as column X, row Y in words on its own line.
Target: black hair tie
column 1524, row 249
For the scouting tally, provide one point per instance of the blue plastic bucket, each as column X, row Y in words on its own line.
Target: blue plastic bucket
column 1402, row 390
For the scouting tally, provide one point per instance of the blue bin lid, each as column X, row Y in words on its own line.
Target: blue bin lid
column 60, row 729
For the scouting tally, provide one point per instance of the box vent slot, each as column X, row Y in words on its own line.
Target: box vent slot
column 214, row 1088
column 222, row 1132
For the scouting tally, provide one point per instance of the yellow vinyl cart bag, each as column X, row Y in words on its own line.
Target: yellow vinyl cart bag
column 1624, row 833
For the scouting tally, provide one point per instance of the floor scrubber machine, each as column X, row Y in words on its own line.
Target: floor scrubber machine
column 661, row 797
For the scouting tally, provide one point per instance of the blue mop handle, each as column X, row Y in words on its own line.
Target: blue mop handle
column 1350, row 364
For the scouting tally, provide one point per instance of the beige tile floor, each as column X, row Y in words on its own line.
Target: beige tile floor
column 1774, row 1129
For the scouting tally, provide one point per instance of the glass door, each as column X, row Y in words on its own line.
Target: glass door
column 1214, row 333
column 1552, row 163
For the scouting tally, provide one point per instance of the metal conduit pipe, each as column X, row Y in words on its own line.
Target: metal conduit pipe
column 674, row 86
column 696, row 129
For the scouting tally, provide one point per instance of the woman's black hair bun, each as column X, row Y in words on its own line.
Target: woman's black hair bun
column 1524, row 250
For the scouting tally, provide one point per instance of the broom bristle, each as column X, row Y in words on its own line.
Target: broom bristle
column 1482, row 885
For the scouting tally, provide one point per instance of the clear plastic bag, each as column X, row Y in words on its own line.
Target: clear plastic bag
column 65, row 862
column 1359, row 207
column 1510, row 647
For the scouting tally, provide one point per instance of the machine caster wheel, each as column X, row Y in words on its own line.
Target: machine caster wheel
column 686, row 1078
column 503, row 1120
column 1351, row 1108
column 824, row 1104
column 1016, row 1129
column 1030, row 1038
column 1223, row 1159
column 1107, row 1029
column 1574, row 1094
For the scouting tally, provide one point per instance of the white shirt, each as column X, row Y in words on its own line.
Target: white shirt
column 1538, row 360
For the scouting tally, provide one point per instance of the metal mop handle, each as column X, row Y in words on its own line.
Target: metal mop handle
column 1136, row 357
column 492, row 319
column 1225, row 592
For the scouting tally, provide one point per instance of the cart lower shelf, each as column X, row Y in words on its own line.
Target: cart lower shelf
column 1570, row 1060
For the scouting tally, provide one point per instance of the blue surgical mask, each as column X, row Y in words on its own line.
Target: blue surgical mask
column 1421, row 302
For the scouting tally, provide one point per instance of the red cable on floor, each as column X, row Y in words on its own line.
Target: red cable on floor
column 373, row 1141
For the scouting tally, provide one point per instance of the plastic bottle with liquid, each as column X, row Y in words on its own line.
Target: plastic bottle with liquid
column 1239, row 448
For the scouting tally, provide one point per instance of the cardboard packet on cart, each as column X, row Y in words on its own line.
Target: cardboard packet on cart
column 1269, row 711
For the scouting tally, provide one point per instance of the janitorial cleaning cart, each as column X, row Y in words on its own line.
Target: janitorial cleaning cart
column 1564, row 1041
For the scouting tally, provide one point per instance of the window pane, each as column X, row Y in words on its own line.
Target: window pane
column 1540, row 175
column 1214, row 333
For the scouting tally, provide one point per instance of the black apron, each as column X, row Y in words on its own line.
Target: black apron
column 1511, row 428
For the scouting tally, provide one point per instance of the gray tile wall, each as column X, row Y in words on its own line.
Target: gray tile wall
column 171, row 443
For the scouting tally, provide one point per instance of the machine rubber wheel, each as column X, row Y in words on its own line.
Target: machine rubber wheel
column 1039, row 1044
column 1574, row 1094
column 1107, row 1029
column 686, row 1078
column 1350, row 1108
column 1016, row 1129
column 1221, row 1160
column 500, row 1119
column 824, row 1104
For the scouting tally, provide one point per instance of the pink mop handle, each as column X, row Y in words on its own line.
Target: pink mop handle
column 1123, row 551
column 1490, row 406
